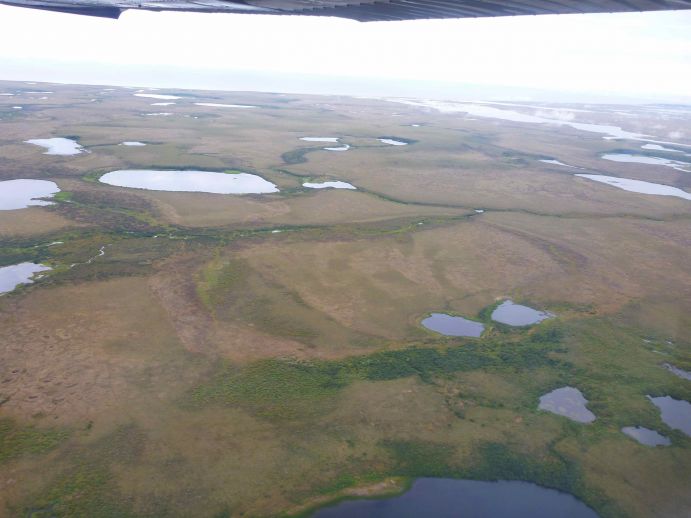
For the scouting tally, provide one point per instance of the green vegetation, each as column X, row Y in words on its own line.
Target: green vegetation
column 18, row 440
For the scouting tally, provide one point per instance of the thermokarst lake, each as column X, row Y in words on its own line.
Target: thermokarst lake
column 453, row 326
column 16, row 274
column 676, row 413
column 326, row 185
column 189, row 181
column 517, row 315
column 58, row 146
column 450, row 498
column 567, row 402
column 21, row 193
column 646, row 436
column 638, row 186
column 648, row 160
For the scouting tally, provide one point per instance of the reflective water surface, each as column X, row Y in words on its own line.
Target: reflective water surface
column 57, row 146
column 453, row 326
column 567, row 402
column 646, row 436
column 326, row 185
column 21, row 193
column 638, row 186
column 518, row 315
column 16, row 274
column 190, row 181
column 676, row 413
column 449, row 498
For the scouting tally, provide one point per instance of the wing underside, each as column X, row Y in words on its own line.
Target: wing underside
column 361, row 10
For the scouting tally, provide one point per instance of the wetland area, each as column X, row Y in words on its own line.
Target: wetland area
column 263, row 304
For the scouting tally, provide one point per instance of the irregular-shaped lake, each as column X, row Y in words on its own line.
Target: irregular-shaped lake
column 57, row 146
column 320, row 139
column 19, row 194
column 657, row 147
column 649, row 160
column 638, row 186
column 567, row 402
column 646, row 436
column 326, row 185
column 190, row 181
column 217, row 105
column 16, row 274
column 158, row 96
column 453, row 326
column 677, row 371
column 392, row 142
column 448, row 498
column 517, row 315
column 676, row 413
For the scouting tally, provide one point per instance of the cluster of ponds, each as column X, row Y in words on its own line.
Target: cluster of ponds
column 345, row 147
column 508, row 312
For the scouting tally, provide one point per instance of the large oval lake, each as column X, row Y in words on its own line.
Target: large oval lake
column 190, row 181
column 450, row 498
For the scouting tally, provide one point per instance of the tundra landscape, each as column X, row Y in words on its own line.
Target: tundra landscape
column 212, row 303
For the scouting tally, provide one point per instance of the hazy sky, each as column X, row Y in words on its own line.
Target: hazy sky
column 630, row 54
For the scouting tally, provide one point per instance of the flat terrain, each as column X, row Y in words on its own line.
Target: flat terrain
column 213, row 355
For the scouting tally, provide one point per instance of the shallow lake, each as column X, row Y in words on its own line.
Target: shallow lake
column 567, row 402
column 449, row 498
column 320, row 139
column 638, row 186
column 657, row 147
column 650, row 160
column 218, row 105
column 16, row 274
column 57, row 146
column 453, row 326
column 676, row 413
column 158, row 96
column 517, row 315
column 326, row 185
column 392, row 142
column 19, row 194
column 646, row 436
column 133, row 144
column 557, row 162
column 190, row 181
column 344, row 147
column 677, row 371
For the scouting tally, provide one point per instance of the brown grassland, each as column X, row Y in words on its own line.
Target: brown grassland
column 262, row 355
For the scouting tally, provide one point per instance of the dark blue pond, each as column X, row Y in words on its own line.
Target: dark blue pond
column 449, row 498
column 453, row 326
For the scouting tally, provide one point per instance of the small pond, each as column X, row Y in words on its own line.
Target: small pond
column 163, row 104
column 676, row 413
column 16, row 274
column 320, row 139
column 646, row 436
column 57, row 146
column 326, row 185
column 650, row 160
column 449, row 498
column 658, row 147
column 190, row 181
column 344, row 147
column 557, row 162
column 19, row 194
column 638, row 186
column 517, row 315
column 453, row 326
column 131, row 143
column 392, row 142
column 567, row 402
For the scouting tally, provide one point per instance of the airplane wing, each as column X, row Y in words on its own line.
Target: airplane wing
column 361, row 10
